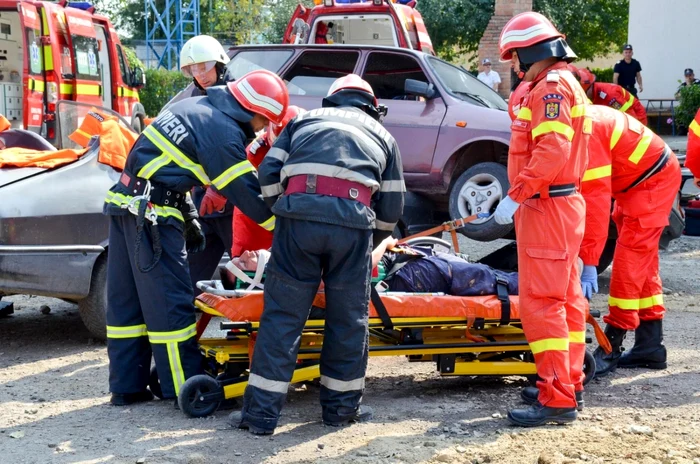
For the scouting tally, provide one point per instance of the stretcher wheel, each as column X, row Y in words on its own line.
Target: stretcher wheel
column 154, row 383
column 196, row 399
column 588, row 367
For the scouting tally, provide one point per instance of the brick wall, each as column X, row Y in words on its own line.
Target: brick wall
column 488, row 46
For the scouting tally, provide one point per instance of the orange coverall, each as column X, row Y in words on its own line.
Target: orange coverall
column 247, row 234
column 692, row 157
column 548, row 151
column 621, row 152
column 617, row 97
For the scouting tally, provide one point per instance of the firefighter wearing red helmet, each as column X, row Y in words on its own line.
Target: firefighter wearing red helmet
column 633, row 166
column 607, row 94
column 150, row 308
column 546, row 161
column 335, row 183
column 247, row 235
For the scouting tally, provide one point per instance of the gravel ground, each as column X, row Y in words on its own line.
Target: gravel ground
column 54, row 404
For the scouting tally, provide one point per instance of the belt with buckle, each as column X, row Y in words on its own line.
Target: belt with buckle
column 563, row 190
column 159, row 195
column 330, row 186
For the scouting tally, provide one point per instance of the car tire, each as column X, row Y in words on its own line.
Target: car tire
column 137, row 124
column 479, row 189
column 606, row 258
column 93, row 308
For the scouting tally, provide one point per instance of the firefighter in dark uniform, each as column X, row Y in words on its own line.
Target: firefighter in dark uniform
column 197, row 141
column 335, row 183
column 204, row 60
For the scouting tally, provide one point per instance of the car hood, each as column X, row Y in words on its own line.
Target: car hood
column 12, row 175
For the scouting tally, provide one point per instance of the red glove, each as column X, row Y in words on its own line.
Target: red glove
column 212, row 202
column 257, row 149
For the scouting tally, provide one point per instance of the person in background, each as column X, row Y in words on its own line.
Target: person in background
column 689, row 80
column 627, row 71
column 204, row 60
column 489, row 77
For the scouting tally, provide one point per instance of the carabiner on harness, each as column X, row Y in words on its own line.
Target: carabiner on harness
column 141, row 207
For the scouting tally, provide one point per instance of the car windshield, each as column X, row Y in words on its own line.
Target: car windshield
column 250, row 60
column 466, row 87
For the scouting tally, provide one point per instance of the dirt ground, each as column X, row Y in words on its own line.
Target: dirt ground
column 54, row 404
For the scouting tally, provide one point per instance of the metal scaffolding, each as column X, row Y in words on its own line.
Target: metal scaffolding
column 169, row 29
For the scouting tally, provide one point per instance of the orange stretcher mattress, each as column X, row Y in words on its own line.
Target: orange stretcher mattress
column 249, row 308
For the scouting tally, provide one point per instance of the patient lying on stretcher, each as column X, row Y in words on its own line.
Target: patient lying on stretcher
column 402, row 269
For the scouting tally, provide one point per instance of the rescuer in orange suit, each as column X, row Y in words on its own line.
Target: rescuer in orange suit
column 692, row 156
column 633, row 166
column 546, row 161
column 247, row 234
column 613, row 95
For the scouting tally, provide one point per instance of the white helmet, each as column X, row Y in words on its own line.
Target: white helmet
column 201, row 49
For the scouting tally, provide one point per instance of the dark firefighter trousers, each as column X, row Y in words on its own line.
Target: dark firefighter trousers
column 149, row 312
column 303, row 252
column 218, row 231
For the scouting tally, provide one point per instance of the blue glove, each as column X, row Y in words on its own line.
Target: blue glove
column 589, row 281
column 505, row 211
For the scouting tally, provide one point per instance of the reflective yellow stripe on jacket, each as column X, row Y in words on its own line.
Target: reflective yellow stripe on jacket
column 174, row 154
column 162, row 211
column 232, row 173
column 695, row 127
column 597, row 173
column 629, row 102
column 170, row 340
column 554, row 126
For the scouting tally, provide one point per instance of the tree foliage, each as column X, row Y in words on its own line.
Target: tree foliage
column 455, row 26
column 592, row 27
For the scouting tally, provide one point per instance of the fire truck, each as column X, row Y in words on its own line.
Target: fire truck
column 394, row 23
column 62, row 51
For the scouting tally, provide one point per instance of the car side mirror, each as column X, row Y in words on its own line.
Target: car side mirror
column 138, row 78
column 419, row 88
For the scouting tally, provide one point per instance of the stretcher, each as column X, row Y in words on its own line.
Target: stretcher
column 462, row 335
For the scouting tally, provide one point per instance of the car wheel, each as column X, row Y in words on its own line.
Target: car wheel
column 479, row 189
column 606, row 258
column 137, row 124
column 93, row 308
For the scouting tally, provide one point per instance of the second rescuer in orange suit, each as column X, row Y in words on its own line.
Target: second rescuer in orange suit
column 546, row 162
column 607, row 94
column 692, row 158
column 633, row 166
column 247, row 235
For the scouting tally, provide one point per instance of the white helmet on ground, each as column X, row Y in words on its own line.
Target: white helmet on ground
column 204, row 51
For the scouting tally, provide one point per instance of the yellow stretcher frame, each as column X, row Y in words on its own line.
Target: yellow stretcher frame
column 453, row 343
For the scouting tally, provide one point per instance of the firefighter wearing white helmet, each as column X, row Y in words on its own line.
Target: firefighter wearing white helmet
column 203, row 59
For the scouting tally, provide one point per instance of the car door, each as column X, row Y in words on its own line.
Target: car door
column 413, row 121
column 312, row 73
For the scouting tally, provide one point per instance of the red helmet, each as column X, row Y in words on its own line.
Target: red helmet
column 351, row 81
column 275, row 130
column 586, row 78
column 525, row 30
column 261, row 92
column 516, row 99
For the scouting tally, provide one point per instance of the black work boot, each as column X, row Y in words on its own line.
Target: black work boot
column 648, row 350
column 537, row 414
column 529, row 396
column 606, row 363
column 235, row 419
column 125, row 399
column 343, row 416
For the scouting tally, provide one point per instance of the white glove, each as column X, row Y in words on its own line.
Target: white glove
column 505, row 211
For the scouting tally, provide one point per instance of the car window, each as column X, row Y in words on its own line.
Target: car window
column 371, row 29
column 315, row 71
column 86, row 57
column 123, row 68
column 249, row 60
column 387, row 74
column 466, row 87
